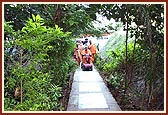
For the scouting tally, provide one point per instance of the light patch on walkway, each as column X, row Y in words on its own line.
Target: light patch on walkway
column 93, row 100
column 89, row 87
column 90, row 76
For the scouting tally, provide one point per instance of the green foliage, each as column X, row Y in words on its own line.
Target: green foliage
column 113, row 54
column 79, row 18
column 42, row 63
column 48, row 100
column 116, row 57
column 71, row 17
column 143, row 71
column 115, row 81
column 9, row 104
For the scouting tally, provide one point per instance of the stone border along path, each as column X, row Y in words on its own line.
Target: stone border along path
column 89, row 93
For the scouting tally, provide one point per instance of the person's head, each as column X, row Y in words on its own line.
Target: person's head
column 85, row 47
column 86, row 40
column 90, row 41
column 76, row 45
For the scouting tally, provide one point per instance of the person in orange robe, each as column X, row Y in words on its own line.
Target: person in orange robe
column 80, row 46
column 84, row 53
column 93, row 49
column 77, row 54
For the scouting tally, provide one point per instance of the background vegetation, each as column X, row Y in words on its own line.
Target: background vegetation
column 133, row 63
column 36, row 67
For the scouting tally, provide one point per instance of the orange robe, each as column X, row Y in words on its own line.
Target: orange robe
column 83, row 53
column 93, row 50
column 77, row 55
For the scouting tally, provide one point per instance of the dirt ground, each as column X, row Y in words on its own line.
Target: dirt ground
column 66, row 92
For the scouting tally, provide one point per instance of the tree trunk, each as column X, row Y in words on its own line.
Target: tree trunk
column 21, row 93
column 126, row 44
column 133, row 56
column 152, row 59
column 58, row 14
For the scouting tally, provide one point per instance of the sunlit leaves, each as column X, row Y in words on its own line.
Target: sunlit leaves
column 40, row 48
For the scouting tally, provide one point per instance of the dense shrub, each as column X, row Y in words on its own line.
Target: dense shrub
column 37, row 63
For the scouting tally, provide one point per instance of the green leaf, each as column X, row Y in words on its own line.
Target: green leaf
column 49, row 47
column 24, row 29
column 34, row 18
column 38, row 17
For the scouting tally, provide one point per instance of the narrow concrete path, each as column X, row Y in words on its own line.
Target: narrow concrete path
column 89, row 93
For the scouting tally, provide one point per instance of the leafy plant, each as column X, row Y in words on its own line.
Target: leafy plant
column 115, row 81
column 40, row 68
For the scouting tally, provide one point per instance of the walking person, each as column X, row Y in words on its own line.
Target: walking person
column 77, row 54
column 93, row 49
column 84, row 53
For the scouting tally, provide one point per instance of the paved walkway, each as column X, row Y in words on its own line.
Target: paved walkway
column 89, row 93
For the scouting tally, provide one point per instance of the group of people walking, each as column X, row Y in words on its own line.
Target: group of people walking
column 85, row 48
